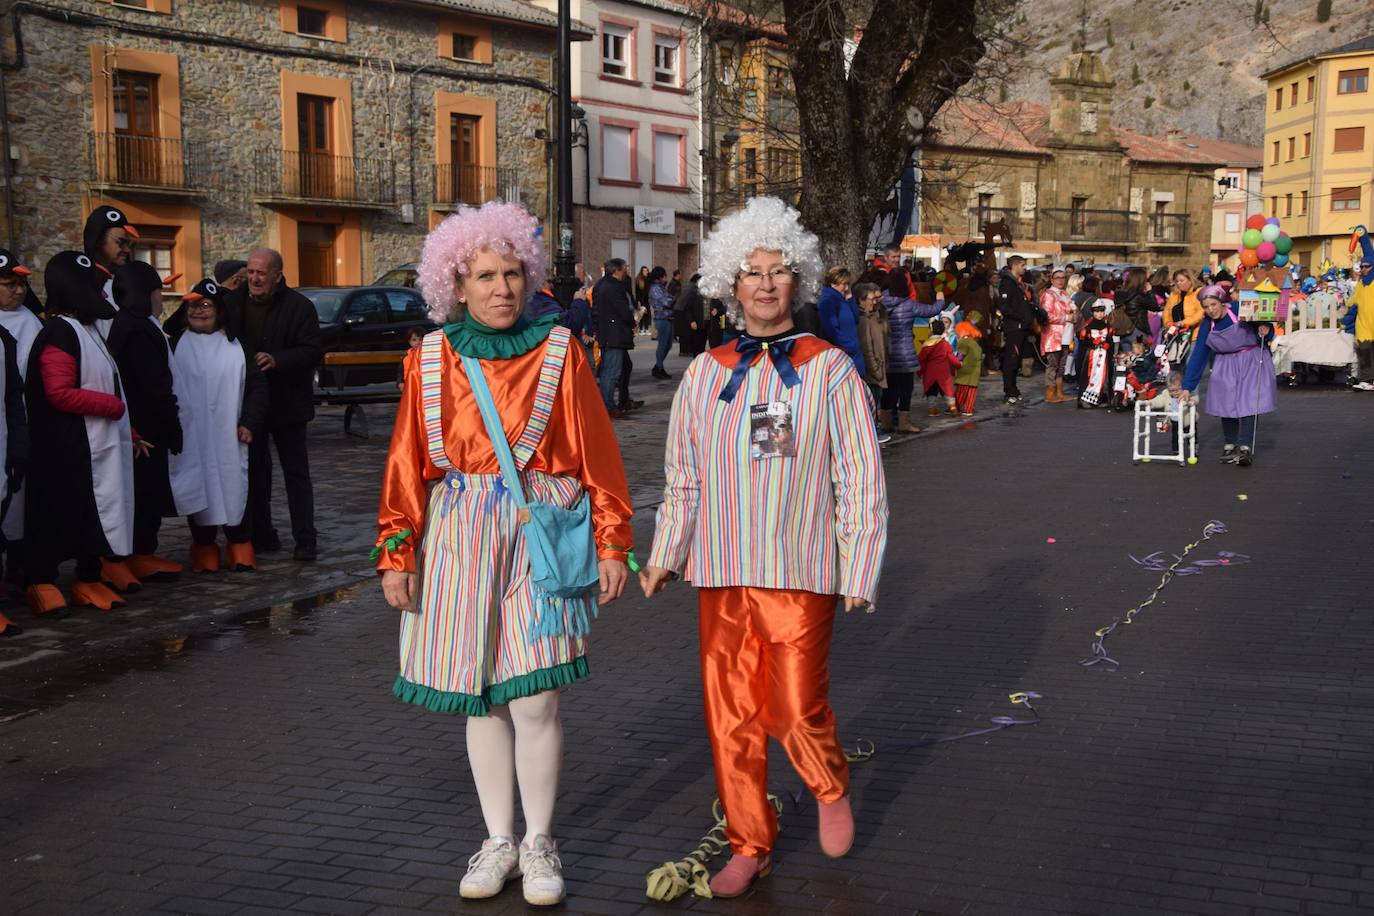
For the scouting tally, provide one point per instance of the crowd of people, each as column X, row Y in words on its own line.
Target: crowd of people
column 117, row 418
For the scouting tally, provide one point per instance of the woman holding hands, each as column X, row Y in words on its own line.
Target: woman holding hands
column 775, row 508
column 478, row 635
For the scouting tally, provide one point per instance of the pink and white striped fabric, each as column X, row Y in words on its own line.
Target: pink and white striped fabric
column 816, row 522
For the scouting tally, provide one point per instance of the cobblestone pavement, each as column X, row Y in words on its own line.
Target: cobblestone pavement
column 260, row 765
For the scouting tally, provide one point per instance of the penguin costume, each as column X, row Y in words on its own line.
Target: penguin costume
column 98, row 225
column 23, row 325
column 141, row 353
column 81, row 455
column 224, row 405
column 14, row 431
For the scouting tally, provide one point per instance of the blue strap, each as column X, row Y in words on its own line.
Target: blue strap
column 492, row 420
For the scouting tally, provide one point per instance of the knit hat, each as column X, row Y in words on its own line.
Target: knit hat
column 227, row 268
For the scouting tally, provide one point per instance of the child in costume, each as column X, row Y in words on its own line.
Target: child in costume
column 939, row 362
column 224, row 402
column 139, row 348
column 1096, row 367
column 970, row 365
column 772, row 537
column 477, row 636
column 23, row 325
column 80, row 477
column 1142, row 371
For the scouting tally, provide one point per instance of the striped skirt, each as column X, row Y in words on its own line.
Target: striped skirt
column 467, row 647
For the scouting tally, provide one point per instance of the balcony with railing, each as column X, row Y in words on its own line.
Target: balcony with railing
column 978, row 216
column 1081, row 228
column 473, row 185
column 1169, row 229
column 291, row 175
column 154, row 164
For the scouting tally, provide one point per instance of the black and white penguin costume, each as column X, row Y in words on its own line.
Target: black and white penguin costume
column 23, row 325
column 144, row 359
column 221, row 390
column 80, row 481
column 14, row 430
column 101, row 221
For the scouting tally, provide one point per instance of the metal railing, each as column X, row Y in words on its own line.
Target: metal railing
column 474, row 184
column 1082, row 225
column 295, row 175
column 1167, row 228
column 977, row 216
column 124, row 160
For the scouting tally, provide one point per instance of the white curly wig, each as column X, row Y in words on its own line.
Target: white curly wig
column 448, row 251
column 764, row 224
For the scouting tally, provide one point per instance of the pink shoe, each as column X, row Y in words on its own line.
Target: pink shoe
column 837, row 827
column 738, row 874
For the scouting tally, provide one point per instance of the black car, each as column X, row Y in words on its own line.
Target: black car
column 364, row 332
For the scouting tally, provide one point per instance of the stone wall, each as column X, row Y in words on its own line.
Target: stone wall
column 231, row 102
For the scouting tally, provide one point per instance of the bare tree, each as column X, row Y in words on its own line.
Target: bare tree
column 860, row 120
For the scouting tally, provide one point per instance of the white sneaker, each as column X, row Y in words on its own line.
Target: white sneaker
column 1365, row 386
column 490, row 868
column 543, row 872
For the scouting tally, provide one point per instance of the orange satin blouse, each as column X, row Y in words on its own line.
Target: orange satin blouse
column 579, row 442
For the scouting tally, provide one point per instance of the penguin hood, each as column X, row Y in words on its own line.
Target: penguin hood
column 206, row 289
column 102, row 220
column 74, row 285
column 134, row 284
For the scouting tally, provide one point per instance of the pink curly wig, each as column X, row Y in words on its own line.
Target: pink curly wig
column 503, row 227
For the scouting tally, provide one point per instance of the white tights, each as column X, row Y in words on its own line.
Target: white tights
column 522, row 741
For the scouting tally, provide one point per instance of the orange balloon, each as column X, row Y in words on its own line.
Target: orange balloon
column 1249, row 258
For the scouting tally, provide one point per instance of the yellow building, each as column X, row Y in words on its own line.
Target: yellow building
column 1319, row 150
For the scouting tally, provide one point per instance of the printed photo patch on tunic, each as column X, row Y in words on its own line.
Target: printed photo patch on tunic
column 771, row 433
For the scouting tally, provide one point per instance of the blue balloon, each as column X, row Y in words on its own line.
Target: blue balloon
column 1272, row 221
column 1280, row 260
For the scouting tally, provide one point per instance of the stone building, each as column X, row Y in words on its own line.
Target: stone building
column 1070, row 185
column 335, row 131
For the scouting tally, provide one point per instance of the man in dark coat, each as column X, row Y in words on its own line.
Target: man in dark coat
column 615, row 333
column 1018, row 317
column 689, row 314
column 281, row 328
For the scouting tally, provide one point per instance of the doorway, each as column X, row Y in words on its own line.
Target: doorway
column 138, row 154
column 315, row 252
column 316, row 167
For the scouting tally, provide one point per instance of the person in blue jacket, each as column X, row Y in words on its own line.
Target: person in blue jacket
column 840, row 315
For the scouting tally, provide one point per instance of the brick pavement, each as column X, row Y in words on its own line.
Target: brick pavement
column 263, row 767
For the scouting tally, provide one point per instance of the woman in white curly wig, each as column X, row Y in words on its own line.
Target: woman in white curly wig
column 478, row 636
column 774, row 508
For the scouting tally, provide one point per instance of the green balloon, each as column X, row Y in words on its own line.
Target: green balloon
column 1283, row 244
column 1251, row 238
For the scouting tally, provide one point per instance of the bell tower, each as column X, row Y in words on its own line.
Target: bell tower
column 1081, row 104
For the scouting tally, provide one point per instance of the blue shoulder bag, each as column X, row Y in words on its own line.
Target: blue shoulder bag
column 560, row 542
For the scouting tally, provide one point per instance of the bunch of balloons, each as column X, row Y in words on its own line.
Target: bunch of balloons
column 1264, row 243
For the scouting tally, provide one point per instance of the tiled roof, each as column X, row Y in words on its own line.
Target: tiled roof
column 1142, row 148
column 1351, row 47
column 1240, row 155
column 1023, row 127
column 512, row 10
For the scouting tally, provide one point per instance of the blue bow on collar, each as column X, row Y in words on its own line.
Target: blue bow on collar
column 778, row 351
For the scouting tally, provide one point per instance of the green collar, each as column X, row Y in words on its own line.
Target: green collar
column 470, row 337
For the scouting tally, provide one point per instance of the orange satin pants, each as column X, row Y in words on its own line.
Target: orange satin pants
column 765, row 670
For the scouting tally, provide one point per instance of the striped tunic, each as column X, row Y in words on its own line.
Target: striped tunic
column 816, row 522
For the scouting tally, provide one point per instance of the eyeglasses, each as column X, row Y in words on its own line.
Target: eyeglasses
column 201, row 306
column 124, row 242
column 781, row 276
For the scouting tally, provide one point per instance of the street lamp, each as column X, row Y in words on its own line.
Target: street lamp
column 565, row 281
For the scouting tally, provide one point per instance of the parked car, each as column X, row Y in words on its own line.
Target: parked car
column 400, row 276
column 363, row 331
